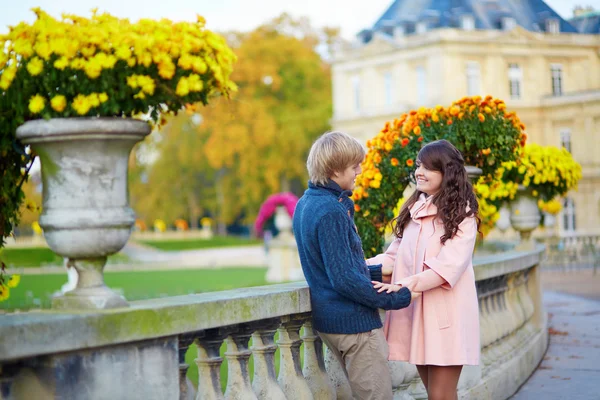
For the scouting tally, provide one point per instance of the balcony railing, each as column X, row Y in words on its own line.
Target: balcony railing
column 572, row 252
column 139, row 352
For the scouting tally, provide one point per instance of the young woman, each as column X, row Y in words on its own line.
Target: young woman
column 432, row 253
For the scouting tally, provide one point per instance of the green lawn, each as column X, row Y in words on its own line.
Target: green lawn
column 193, row 244
column 35, row 291
column 41, row 256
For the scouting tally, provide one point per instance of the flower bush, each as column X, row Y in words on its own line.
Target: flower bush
column 100, row 66
column 552, row 207
column 546, row 171
column 181, row 225
column 206, row 222
column 7, row 283
column 160, row 226
column 491, row 194
column 267, row 209
column 481, row 129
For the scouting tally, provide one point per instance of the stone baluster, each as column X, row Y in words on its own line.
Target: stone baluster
column 492, row 353
column 186, row 389
column 290, row 378
column 504, row 317
column 209, row 365
column 314, row 365
column 403, row 375
column 417, row 389
column 263, row 349
column 512, row 302
column 527, row 301
column 337, row 375
column 513, row 318
column 239, row 386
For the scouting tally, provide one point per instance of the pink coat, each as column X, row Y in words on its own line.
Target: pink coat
column 442, row 326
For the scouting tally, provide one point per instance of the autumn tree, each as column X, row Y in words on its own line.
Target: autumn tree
column 227, row 157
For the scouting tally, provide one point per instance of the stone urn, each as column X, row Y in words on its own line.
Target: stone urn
column 473, row 173
column 86, row 216
column 283, row 260
column 524, row 216
column 549, row 220
column 503, row 222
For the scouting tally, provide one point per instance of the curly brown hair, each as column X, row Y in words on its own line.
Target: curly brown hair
column 455, row 195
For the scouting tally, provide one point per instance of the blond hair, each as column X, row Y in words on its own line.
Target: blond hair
column 332, row 152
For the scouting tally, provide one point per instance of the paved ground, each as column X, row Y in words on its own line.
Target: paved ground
column 571, row 367
column 577, row 282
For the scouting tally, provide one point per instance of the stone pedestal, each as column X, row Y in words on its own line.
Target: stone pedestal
column 282, row 259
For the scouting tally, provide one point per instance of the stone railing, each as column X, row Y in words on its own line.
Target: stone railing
column 571, row 252
column 139, row 352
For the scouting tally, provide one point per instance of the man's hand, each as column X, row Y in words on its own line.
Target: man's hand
column 389, row 288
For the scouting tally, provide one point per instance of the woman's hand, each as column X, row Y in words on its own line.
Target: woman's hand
column 409, row 282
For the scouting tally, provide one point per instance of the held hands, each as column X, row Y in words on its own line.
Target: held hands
column 389, row 288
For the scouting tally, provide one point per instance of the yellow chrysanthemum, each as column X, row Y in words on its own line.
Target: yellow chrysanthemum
column 81, row 104
column 58, row 103
column 4, row 292
column 36, row 104
column 13, row 281
column 35, row 66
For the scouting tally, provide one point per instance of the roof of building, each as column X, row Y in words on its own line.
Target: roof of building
column 587, row 23
column 532, row 15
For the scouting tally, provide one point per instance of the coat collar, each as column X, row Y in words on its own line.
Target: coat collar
column 332, row 187
column 423, row 207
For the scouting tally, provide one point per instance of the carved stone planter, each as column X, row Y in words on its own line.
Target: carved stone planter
column 86, row 215
column 525, row 216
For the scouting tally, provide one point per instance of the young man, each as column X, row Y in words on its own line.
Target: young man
column 344, row 303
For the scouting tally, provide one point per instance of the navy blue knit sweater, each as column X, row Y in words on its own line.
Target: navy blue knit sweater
column 342, row 296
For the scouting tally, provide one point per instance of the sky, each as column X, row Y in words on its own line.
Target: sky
column 222, row 15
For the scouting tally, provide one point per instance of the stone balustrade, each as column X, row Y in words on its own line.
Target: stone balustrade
column 139, row 352
column 571, row 252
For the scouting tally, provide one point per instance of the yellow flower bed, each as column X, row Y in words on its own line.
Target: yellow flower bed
column 109, row 66
column 547, row 171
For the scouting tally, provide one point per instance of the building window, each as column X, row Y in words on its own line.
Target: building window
column 565, row 139
column 421, row 86
column 515, row 77
column 356, row 89
column 556, row 71
column 387, row 87
column 421, row 27
column 399, row 31
column 508, row 23
column 473, row 78
column 467, row 22
column 568, row 215
column 552, row 26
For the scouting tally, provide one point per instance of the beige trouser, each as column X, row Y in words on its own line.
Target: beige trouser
column 363, row 357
